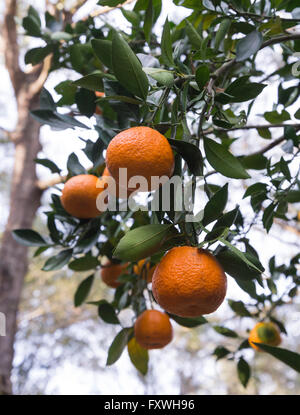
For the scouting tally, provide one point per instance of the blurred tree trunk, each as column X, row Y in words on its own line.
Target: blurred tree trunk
column 25, row 195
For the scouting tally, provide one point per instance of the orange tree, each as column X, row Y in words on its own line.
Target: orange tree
column 194, row 83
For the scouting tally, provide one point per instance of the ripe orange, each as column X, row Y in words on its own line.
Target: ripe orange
column 143, row 152
column 111, row 272
column 153, row 329
column 99, row 94
column 120, row 191
column 139, row 269
column 266, row 333
column 79, row 196
column 189, row 282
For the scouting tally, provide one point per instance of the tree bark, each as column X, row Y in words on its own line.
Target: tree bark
column 24, row 201
column 25, row 195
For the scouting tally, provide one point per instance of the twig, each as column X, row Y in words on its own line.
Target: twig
column 249, row 127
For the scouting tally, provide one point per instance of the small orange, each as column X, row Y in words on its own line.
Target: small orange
column 153, row 329
column 79, row 196
column 189, row 282
column 266, row 333
column 111, row 272
column 143, row 151
column 139, row 268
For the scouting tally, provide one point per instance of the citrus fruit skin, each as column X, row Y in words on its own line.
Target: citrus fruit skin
column 189, row 282
column 138, row 269
column 266, row 333
column 143, row 151
column 121, row 192
column 153, row 329
column 111, row 272
column 79, row 196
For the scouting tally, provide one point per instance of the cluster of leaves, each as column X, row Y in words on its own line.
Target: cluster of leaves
column 191, row 85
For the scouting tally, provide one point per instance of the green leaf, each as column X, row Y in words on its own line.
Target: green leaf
column 107, row 312
column 249, row 45
column 68, row 92
column 58, row 261
column 188, row 322
column 84, row 263
column 293, row 196
column 162, row 76
column 148, row 22
column 92, row 81
column 166, row 45
column 275, row 117
column 127, row 68
column 138, row 356
column 223, row 161
column 235, row 266
column 31, row 26
column 264, row 133
column 86, row 102
column 202, row 76
column 222, row 32
column 49, row 164
column 242, row 90
column 190, row 153
column 28, row 237
column 193, row 35
column 131, row 16
column 215, row 205
column 118, row 345
column 288, row 357
column 255, row 188
column 268, row 216
column 239, row 308
column 110, row 3
column 37, row 55
column 73, row 165
column 225, row 331
column 83, row 290
column 255, row 161
column 61, row 36
column 103, row 50
column 244, row 371
column 142, row 242
column 55, row 120
column 221, row 352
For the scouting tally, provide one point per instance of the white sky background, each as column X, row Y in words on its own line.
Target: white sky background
column 57, row 145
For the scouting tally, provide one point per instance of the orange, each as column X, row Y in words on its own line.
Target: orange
column 140, row 269
column 120, row 191
column 99, row 94
column 153, row 329
column 266, row 333
column 111, row 272
column 79, row 196
column 143, row 152
column 189, row 282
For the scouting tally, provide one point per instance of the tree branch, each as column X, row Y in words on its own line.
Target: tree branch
column 11, row 47
column 36, row 86
column 107, row 9
column 250, row 127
